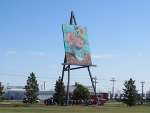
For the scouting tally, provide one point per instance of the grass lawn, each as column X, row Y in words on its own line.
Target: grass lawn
column 108, row 108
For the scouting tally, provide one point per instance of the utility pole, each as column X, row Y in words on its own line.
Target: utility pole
column 113, row 80
column 41, row 87
column 7, row 86
column 44, row 85
column 142, row 85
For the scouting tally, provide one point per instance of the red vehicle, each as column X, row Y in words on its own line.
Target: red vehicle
column 103, row 97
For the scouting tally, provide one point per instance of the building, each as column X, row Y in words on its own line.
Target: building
column 18, row 93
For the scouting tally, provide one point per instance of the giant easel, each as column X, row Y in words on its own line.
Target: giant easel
column 68, row 68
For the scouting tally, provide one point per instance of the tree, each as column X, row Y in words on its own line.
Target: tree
column 130, row 93
column 32, row 89
column 59, row 92
column 148, row 96
column 1, row 91
column 80, row 92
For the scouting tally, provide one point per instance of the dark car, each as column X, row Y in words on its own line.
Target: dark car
column 49, row 101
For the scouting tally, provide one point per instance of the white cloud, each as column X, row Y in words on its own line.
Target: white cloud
column 11, row 52
column 102, row 56
column 34, row 53
column 39, row 53
column 139, row 54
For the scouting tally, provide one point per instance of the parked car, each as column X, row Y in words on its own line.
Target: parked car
column 49, row 101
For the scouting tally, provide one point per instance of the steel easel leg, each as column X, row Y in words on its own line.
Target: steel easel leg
column 67, row 95
column 93, row 84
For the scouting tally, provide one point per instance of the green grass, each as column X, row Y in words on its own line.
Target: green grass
column 108, row 108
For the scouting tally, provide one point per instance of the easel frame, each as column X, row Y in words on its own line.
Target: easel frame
column 67, row 67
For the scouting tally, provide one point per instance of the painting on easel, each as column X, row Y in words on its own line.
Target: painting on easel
column 76, row 45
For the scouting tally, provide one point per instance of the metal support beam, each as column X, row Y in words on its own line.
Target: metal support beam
column 64, row 66
column 66, row 69
column 93, row 85
column 72, row 18
column 68, row 84
column 62, row 78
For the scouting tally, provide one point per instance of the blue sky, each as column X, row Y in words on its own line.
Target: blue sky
column 31, row 40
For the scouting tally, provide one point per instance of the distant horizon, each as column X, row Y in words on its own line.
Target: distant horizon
column 31, row 40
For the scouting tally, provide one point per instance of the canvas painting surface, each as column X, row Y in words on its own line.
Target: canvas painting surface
column 76, row 45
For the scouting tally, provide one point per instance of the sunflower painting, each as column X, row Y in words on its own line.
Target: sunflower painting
column 76, row 45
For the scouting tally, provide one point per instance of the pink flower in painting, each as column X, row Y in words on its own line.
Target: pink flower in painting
column 81, row 31
column 79, row 43
column 70, row 38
